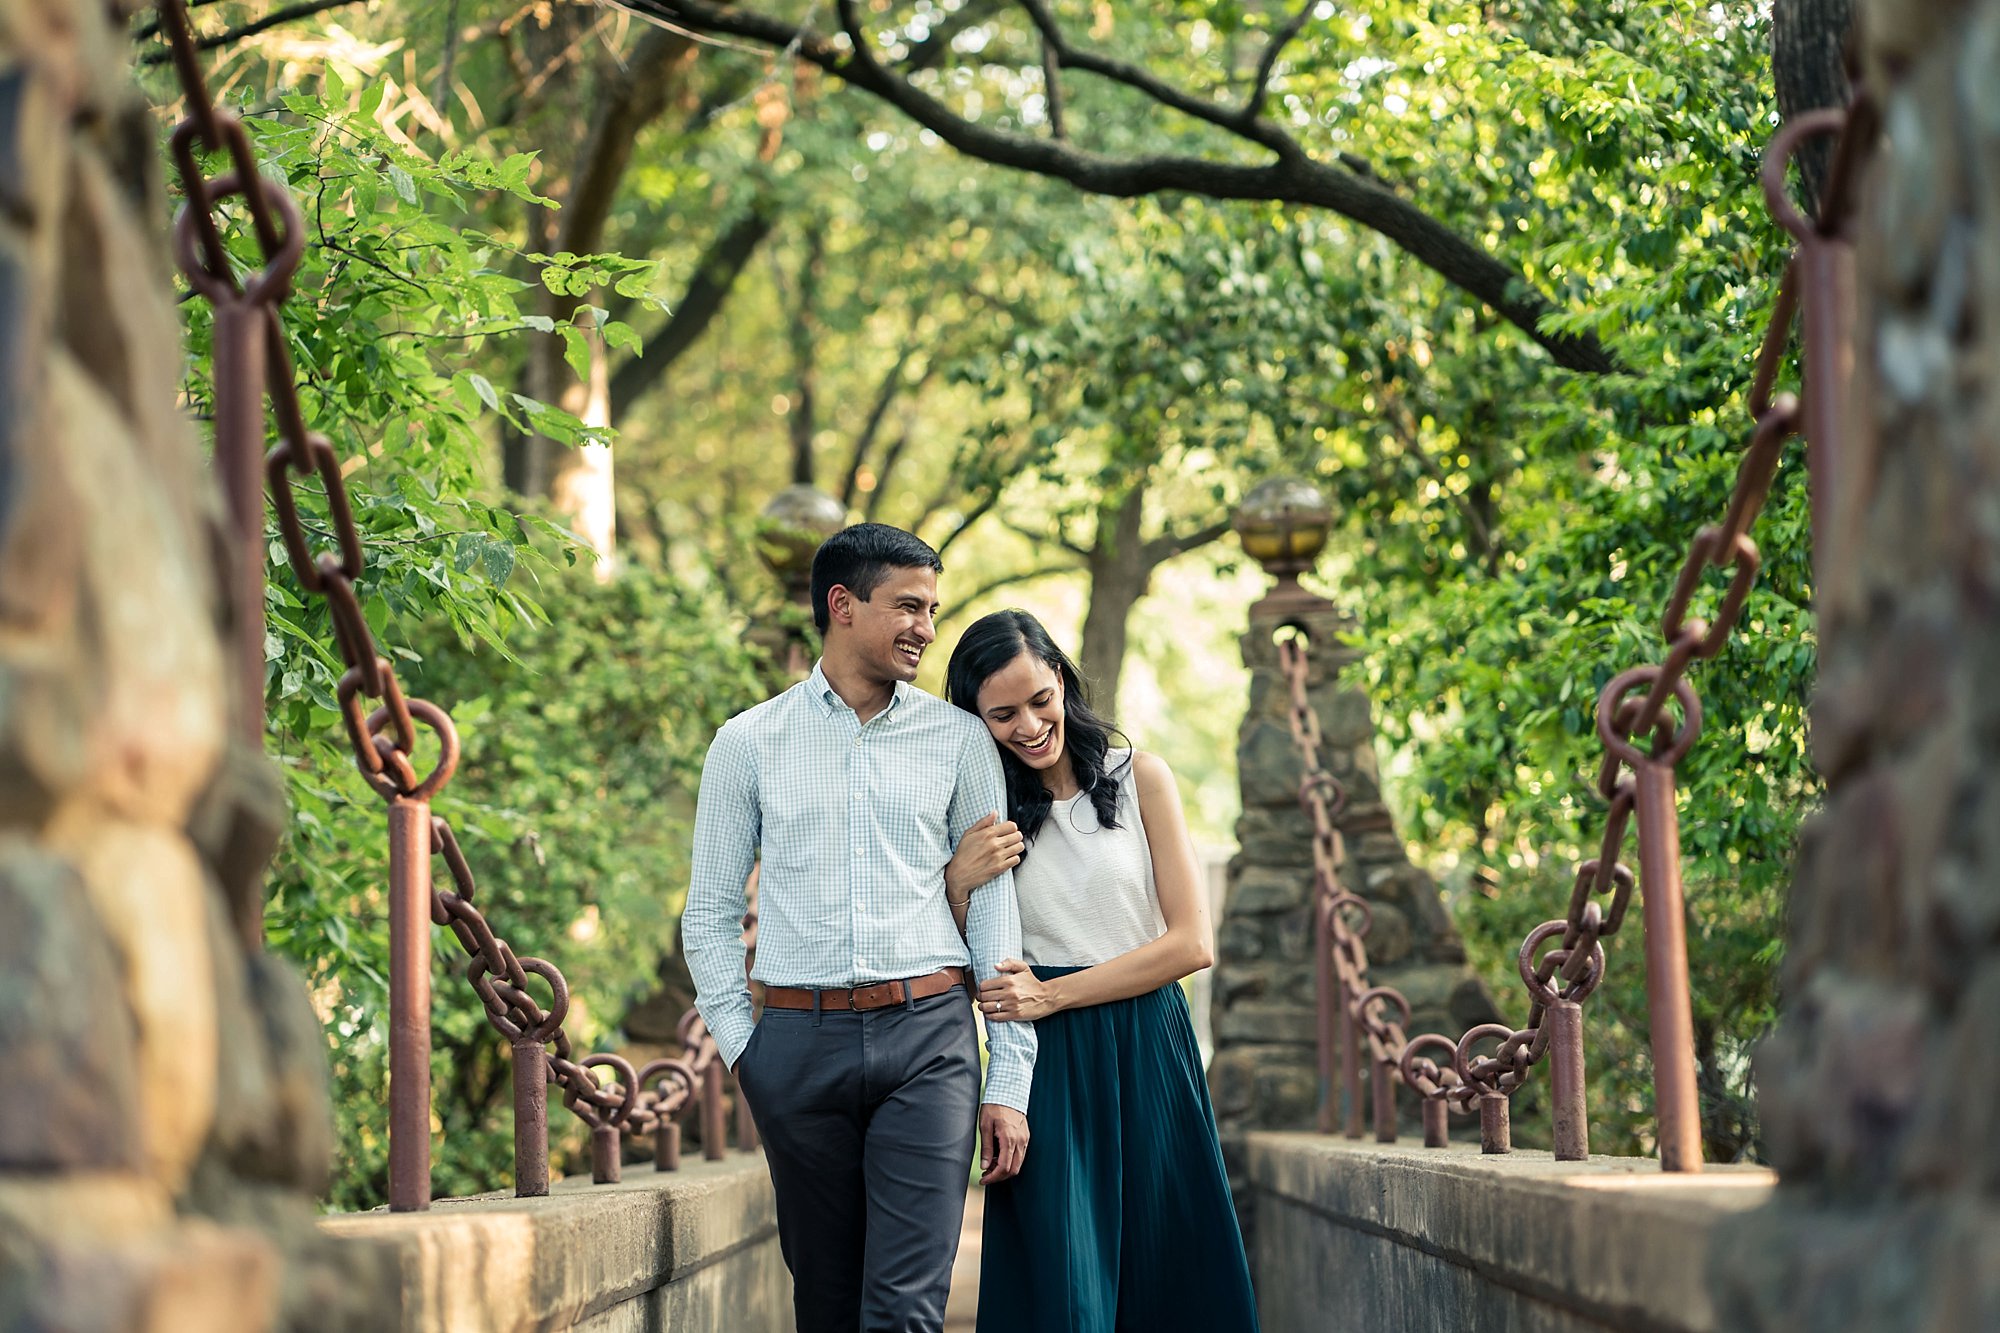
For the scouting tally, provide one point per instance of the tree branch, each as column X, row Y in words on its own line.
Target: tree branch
column 288, row 14
column 630, row 101
column 1052, row 90
column 802, row 420
column 1253, row 105
column 1293, row 177
column 1060, row 538
column 996, row 584
column 1167, row 545
column 1141, row 79
column 885, row 395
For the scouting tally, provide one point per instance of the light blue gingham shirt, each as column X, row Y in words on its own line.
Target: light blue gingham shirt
column 856, row 822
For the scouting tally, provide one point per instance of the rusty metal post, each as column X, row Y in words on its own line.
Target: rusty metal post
column 667, row 1145
column 531, row 1118
column 746, row 1124
column 714, row 1125
column 1382, row 1085
column 1496, row 1133
column 1323, row 1011
column 1350, row 1071
column 1437, row 1123
column 1569, row 1115
column 606, row 1146
column 409, row 1005
column 1667, row 1005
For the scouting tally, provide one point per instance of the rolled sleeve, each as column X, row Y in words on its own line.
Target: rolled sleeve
column 727, row 827
column 992, row 924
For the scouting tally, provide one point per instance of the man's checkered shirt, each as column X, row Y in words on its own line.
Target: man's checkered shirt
column 856, row 822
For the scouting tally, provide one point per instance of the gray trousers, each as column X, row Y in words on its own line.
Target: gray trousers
column 868, row 1122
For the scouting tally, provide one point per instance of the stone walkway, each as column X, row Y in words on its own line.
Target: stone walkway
column 964, row 1302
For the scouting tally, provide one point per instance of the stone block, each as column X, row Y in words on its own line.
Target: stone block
column 1278, row 836
column 1428, row 986
column 1232, row 1081
column 1260, row 889
column 1325, row 629
column 192, row 1275
column 1288, row 1091
column 69, row 1101
column 1346, row 720
column 1379, row 846
column 1238, row 942
column 1389, row 936
column 153, row 903
column 158, row 728
column 1395, row 881
column 1289, row 936
column 1241, row 981
column 1270, row 1024
column 273, row 1121
column 129, row 339
column 1267, row 765
column 1355, row 767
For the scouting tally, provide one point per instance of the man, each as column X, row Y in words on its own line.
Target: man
column 863, row 1072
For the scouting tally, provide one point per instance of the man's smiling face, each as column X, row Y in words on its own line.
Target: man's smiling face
column 895, row 625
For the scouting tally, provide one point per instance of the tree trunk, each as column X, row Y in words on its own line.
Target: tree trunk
column 578, row 480
column 580, row 486
column 1119, row 572
column 1809, row 70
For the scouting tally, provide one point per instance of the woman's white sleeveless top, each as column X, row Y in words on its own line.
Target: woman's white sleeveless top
column 1086, row 892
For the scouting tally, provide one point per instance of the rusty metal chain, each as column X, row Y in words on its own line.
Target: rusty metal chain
column 1341, row 919
column 252, row 359
column 1563, row 961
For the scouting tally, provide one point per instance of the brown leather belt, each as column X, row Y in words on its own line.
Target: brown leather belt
column 880, row 995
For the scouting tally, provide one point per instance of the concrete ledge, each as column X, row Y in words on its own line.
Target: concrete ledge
column 1386, row 1238
column 696, row 1248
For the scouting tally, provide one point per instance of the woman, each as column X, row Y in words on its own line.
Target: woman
column 1120, row 1218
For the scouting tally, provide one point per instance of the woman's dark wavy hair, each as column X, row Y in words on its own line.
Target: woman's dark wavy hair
column 990, row 645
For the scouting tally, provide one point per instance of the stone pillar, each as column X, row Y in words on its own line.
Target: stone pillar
column 1265, row 1072
column 163, row 1120
column 1879, row 1089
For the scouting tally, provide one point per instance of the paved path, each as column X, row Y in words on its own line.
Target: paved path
column 964, row 1302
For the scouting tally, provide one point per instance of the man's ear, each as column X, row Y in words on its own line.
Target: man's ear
column 839, row 605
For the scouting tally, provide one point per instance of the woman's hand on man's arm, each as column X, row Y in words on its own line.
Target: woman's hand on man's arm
column 988, row 849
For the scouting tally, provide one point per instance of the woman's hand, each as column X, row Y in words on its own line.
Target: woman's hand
column 987, row 848
column 1017, row 996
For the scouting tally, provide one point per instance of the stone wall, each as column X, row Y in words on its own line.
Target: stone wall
column 1265, row 1071
column 693, row 1249
column 1411, row 1240
column 1878, row 1091
column 163, row 1122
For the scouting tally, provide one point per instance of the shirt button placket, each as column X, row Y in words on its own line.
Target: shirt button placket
column 855, row 871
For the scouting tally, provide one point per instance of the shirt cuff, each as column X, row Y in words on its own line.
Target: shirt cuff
column 731, row 1031
column 1008, row 1079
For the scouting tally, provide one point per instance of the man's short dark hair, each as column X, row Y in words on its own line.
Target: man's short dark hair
column 860, row 557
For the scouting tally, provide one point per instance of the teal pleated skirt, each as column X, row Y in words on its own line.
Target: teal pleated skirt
column 1120, row 1221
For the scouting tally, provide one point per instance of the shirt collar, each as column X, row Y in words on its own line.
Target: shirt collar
column 829, row 699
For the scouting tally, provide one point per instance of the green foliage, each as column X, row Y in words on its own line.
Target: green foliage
column 1518, row 533
column 584, row 709
column 1506, row 532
